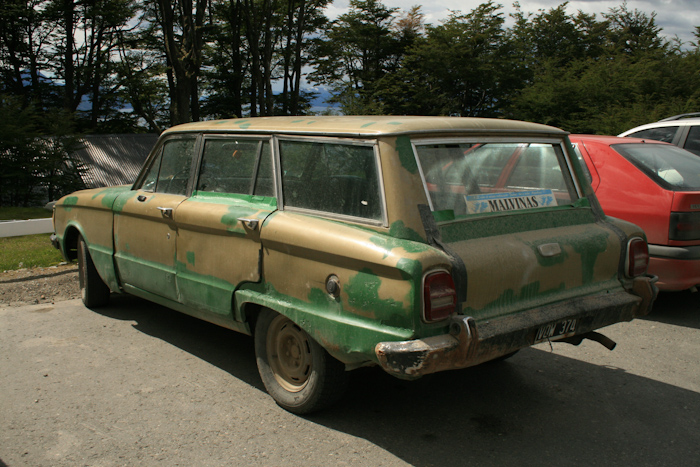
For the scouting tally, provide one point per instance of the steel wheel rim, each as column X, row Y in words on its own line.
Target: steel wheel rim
column 289, row 354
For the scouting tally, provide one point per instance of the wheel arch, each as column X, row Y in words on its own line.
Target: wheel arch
column 69, row 242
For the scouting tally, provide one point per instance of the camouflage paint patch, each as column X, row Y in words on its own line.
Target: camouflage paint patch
column 231, row 217
column 363, row 292
column 406, row 156
column 190, row 257
column 120, row 202
column 69, row 201
column 489, row 225
column 410, row 268
column 589, row 248
column 400, row 236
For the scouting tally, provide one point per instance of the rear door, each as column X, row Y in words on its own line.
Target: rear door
column 219, row 226
column 511, row 209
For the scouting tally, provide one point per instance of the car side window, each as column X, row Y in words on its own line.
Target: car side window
column 240, row 166
column 664, row 133
column 170, row 171
column 692, row 143
column 331, row 177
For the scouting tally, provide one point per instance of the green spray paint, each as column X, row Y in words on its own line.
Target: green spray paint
column 406, row 156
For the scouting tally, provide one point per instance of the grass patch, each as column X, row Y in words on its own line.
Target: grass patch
column 12, row 213
column 29, row 251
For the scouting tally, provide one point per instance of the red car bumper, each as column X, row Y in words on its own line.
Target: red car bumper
column 678, row 268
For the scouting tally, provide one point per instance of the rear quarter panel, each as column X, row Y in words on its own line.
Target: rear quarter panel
column 380, row 282
column 626, row 193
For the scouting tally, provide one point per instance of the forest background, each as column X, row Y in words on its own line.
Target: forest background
column 71, row 67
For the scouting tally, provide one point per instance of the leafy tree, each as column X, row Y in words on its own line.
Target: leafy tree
column 182, row 24
column 25, row 41
column 35, row 166
column 356, row 51
column 463, row 66
column 84, row 41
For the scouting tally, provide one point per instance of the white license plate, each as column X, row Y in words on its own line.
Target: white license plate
column 556, row 330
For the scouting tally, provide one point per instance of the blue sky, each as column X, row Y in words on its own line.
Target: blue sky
column 676, row 17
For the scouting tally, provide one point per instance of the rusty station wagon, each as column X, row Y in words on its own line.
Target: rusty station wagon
column 419, row 244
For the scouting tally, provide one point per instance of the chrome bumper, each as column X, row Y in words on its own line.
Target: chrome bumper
column 469, row 343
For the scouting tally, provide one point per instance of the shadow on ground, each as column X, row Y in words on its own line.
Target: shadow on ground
column 677, row 308
column 537, row 408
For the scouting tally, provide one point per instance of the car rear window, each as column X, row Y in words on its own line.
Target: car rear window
column 670, row 167
column 468, row 178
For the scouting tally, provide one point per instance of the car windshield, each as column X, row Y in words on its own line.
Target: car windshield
column 465, row 178
column 670, row 167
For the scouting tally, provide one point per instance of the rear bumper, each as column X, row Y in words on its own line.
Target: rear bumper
column 678, row 268
column 470, row 343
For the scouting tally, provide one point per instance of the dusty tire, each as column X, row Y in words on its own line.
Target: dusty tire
column 297, row 372
column 93, row 290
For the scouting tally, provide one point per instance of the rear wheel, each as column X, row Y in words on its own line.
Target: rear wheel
column 297, row 372
column 93, row 290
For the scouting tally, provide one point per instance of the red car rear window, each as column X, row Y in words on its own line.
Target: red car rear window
column 670, row 167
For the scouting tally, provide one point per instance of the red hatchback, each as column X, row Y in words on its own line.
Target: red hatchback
column 656, row 186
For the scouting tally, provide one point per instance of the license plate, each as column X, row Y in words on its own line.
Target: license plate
column 556, row 330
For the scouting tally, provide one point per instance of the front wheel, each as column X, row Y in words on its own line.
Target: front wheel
column 93, row 290
column 297, row 372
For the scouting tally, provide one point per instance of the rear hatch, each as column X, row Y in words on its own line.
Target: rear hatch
column 512, row 211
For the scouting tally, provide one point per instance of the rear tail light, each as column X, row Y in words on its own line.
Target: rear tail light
column 439, row 296
column 637, row 257
column 684, row 226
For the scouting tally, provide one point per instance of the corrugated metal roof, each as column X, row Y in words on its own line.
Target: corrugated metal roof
column 113, row 159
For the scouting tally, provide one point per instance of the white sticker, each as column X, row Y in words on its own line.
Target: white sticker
column 498, row 202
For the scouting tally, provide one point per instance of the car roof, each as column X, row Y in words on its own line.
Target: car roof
column 609, row 140
column 671, row 121
column 365, row 125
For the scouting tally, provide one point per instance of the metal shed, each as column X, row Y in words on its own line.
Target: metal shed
column 113, row 159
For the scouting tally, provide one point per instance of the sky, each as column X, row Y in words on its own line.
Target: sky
column 675, row 17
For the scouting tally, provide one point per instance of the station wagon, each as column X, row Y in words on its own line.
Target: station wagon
column 417, row 244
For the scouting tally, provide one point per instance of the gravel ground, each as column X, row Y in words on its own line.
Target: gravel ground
column 39, row 285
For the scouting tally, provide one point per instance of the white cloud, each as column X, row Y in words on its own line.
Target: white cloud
column 675, row 17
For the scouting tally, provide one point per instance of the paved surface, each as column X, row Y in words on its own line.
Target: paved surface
column 136, row 384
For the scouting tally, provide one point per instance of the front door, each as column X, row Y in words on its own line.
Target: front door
column 145, row 230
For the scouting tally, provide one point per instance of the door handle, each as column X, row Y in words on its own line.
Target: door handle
column 252, row 224
column 166, row 212
column 141, row 198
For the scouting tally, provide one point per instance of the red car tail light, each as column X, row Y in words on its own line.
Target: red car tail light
column 684, row 226
column 439, row 296
column 637, row 257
